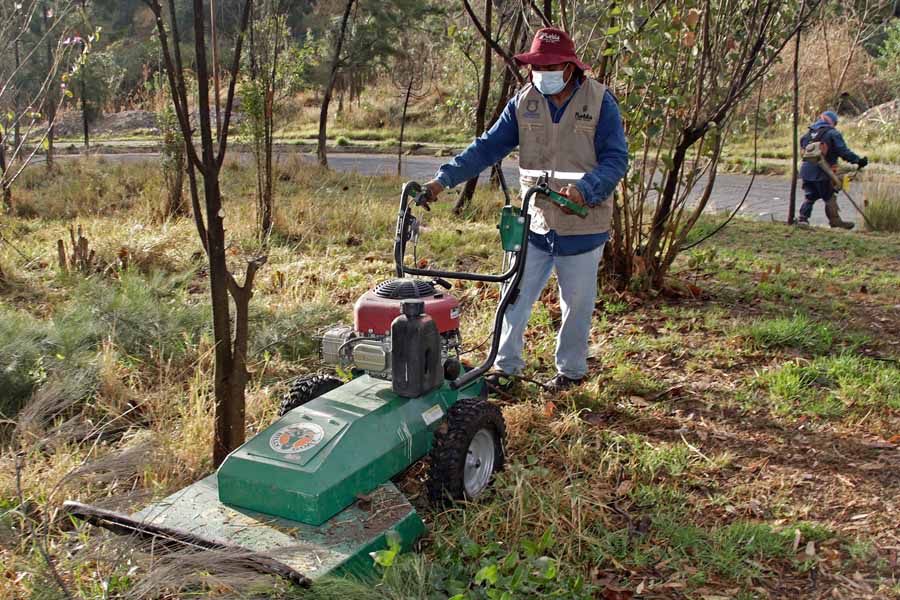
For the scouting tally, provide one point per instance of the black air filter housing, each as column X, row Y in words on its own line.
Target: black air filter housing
column 404, row 289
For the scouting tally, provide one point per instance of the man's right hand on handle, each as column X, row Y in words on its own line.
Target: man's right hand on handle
column 433, row 189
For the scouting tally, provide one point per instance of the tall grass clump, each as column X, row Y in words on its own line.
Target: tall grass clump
column 883, row 205
column 23, row 342
column 144, row 316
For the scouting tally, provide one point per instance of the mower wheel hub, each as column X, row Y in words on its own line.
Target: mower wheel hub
column 479, row 463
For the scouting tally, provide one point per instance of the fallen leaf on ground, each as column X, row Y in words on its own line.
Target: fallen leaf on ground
column 624, row 487
column 616, row 593
column 639, row 401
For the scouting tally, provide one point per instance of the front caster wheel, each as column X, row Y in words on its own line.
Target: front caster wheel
column 467, row 451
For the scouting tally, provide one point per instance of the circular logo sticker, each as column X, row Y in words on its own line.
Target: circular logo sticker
column 296, row 438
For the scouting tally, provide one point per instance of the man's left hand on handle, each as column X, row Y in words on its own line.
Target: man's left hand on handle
column 574, row 195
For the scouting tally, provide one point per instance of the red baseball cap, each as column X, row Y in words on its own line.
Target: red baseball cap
column 551, row 46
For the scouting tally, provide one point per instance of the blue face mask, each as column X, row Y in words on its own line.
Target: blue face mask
column 549, row 82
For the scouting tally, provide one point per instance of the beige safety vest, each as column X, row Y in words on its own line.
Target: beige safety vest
column 565, row 150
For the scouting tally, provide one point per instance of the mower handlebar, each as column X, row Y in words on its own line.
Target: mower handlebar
column 406, row 228
column 406, row 223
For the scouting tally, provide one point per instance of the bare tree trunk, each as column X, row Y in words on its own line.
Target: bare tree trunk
column 329, row 88
column 214, row 42
column 84, row 73
column 229, row 418
column 50, row 101
column 265, row 73
column 792, row 201
column 7, row 190
column 17, row 138
column 230, row 355
column 507, row 74
column 502, row 100
column 409, row 87
column 548, row 10
column 481, row 109
column 485, row 33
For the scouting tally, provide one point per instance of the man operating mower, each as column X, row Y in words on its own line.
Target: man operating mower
column 569, row 127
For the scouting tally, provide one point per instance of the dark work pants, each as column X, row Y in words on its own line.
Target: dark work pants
column 815, row 190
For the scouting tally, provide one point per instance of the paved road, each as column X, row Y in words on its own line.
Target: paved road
column 766, row 200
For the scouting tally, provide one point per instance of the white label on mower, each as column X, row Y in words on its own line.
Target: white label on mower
column 432, row 414
column 454, row 313
column 295, row 438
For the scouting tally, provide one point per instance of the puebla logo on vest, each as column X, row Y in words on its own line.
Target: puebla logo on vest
column 531, row 109
column 583, row 115
column 299, row 437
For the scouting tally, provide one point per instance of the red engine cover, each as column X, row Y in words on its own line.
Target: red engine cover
column 373, row 314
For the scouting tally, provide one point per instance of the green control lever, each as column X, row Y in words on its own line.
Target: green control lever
column 555, row 197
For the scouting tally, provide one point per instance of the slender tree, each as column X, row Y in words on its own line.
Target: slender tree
column 481, row 108
column 268, row 29
column 410, row 77
column 792, row 200
column 51, row 99
column 681, row 82
column 85, row 124
column 329, row 86
column 23, row 38
column 231, row 373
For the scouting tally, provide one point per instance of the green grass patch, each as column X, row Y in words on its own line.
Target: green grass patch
column 832, row 387
column 798, row 332
column 625, row 380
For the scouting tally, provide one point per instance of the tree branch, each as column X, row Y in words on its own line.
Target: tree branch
column 540, row 14
column 175, row 77
column 235, row 66
column 510, row 61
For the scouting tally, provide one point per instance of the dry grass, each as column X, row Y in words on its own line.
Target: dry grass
column 689, row 465
column 882, row 204
column 820, row 75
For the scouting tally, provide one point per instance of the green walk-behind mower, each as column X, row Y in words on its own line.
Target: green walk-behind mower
column 311, row 494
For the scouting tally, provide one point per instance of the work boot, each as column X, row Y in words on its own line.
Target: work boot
column 561, row 383
column 834, row 215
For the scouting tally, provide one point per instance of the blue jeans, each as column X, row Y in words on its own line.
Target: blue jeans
column 577, row 291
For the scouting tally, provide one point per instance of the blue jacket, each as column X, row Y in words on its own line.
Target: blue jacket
column 837, row 148
column 612, row 163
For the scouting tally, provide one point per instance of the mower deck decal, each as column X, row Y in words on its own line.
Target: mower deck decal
column 295, row 438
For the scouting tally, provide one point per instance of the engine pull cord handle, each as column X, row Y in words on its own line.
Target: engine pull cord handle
column 442, row 282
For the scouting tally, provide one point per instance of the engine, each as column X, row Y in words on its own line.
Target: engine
column 367, row 345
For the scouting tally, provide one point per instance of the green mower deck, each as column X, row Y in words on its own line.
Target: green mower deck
column 194, row 517
column 307, row 496
column 321, row 456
